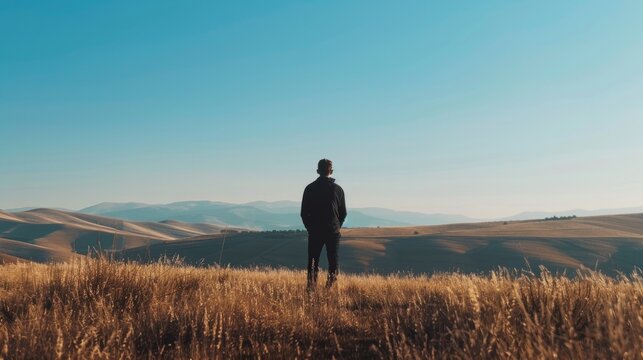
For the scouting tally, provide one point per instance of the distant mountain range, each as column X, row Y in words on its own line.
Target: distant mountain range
column 284, row 215
column 260, row 215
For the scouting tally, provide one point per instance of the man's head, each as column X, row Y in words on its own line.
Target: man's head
column 324, row 167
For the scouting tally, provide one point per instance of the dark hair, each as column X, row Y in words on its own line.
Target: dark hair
column 324, row 166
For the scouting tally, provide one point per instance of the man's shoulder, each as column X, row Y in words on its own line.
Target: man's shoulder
column 310, row 186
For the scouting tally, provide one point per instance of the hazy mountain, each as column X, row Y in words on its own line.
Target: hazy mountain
column 106, row 207
column 282, row 207
column 261, row 215
column 415, row 218
column 278, row 215
column 205, row 212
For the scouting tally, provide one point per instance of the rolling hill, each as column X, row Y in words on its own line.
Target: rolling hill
column 609, row 243
column 54, row 235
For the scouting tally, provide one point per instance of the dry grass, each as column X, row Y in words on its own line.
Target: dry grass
column 99, row 309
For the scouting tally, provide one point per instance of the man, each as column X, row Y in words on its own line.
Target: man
column 323, row 211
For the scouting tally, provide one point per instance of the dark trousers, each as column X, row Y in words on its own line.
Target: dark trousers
column 315, row 244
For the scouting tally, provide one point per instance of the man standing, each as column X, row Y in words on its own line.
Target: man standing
column 323, row 210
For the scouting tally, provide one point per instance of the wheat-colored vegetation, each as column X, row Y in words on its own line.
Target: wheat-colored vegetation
column 99, row 309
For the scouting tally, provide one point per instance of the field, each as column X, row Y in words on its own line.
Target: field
column 91, row 308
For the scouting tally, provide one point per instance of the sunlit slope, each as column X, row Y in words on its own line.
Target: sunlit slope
column 54, row 235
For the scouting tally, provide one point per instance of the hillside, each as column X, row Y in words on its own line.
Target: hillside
column 54, row 235
column 607, row 243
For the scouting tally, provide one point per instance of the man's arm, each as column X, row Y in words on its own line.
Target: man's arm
column 305, row 209
column 342, row 208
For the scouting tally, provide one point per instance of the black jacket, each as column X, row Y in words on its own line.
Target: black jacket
column 323, row 208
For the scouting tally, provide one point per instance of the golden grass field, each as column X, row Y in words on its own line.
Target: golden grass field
column 91, row 308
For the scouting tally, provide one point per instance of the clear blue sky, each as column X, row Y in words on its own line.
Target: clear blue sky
column 481, row 108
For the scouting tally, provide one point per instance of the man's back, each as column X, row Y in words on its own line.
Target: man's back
column 323, row 210
column 323, row 207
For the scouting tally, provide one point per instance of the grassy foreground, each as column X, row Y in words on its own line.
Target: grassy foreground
column 99, row 309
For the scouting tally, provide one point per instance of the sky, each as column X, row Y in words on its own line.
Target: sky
column 480, row 108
